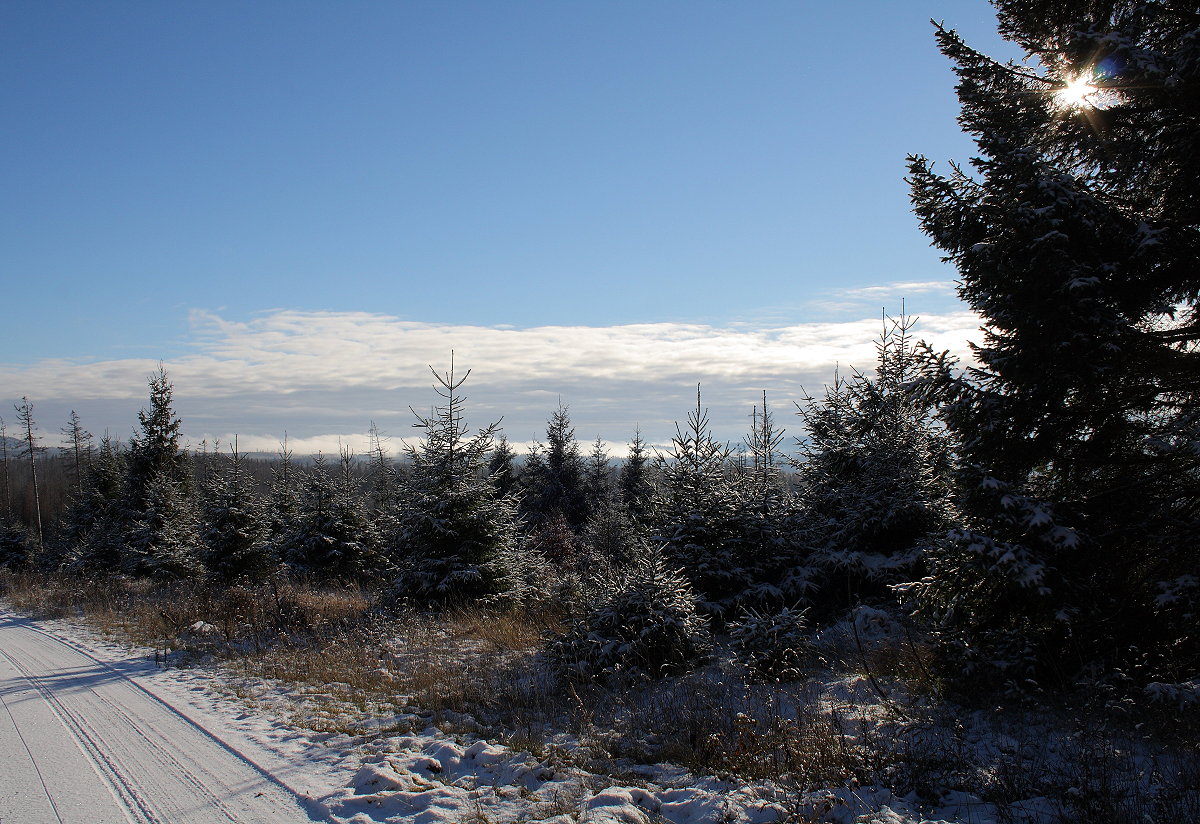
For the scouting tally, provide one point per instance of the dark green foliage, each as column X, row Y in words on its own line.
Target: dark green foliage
column 234, row 529
column 385, row 480
column 457, row 536
column 163, row 537
column 1076, row 240
column 774, row 570
column 79, row 446
column 283, row 507
column 645, row 625
column 636, row 487
column 331, row 537
column 773, row 645
column 92, row 529
column 611, row 534
column 696, row 514
column 874, row 477
column 155, row 451
column 16, row 550
column 557, row 562
column 555, row 482
column 501, row 468
column 6, row 479
column 154, row 527
column 598, row 485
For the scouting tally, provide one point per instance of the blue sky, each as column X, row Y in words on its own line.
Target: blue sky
column 268, row 196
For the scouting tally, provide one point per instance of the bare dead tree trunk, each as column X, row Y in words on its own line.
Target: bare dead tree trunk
column 25, row 416
column 4, row 457
column 81, row 447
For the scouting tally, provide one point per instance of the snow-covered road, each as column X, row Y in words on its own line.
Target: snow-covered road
column 82, row 741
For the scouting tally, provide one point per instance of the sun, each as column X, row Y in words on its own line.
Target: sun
column 1077, row 93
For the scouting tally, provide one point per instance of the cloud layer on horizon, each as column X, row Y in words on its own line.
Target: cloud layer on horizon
column 317, row 374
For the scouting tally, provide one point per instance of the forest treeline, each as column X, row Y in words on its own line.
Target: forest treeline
column 1035, row 511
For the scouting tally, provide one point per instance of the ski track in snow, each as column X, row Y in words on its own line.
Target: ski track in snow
column 83, row 741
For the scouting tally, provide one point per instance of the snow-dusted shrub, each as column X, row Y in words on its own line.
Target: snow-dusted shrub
column 773, row 646
column 647, row 625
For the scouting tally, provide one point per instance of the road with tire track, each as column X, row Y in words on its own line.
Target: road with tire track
column 82, row 741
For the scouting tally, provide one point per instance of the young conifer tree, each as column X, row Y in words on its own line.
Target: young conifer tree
column 873, row 476
column 162, row 522
column 233, row 526
column 79, row 446
column 556, row 486
column 163, row 538
column 156, row 450
column 1075, row 236
column 696, row 514
column 331, row 537
column 457, row 539
column 93, row 528
column 501, row 467
column 8, row 504
column 636, row 486
column 766, row 514
column 283, row 508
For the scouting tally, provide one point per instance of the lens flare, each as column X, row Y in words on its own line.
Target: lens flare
column 1078, row 93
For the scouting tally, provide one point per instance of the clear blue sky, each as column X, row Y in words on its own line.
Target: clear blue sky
column 469, row 163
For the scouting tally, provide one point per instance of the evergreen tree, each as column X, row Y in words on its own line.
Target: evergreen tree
column 645, row 624
column 695, row 514
column 636, row 487
column 385, row 481
column 14, row 541
column 332, row 537
column 610, row 538
column 8, row 505
column 873, row 475
column 155, row 451
column 501, row 468
column 91, row 533
column 598, row 484
column 79, row 445
column 234, row 530
column 16, row 548
column 557, row 486
column 163, row 539
column 766, row 512
column 283, row 510
column 457, row 537
column 1076, row 240
column 530, row 478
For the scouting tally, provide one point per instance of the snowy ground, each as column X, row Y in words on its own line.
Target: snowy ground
column 103, row 728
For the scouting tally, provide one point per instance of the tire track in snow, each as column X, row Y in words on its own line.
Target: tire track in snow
column 32, row 760
column 131, row 737
column 86, row 744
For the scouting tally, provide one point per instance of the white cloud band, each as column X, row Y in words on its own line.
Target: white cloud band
column 313, row 373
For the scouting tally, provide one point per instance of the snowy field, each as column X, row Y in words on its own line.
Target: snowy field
column 97, row 731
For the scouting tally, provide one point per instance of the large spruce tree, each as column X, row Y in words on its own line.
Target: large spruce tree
column 1076, row 235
